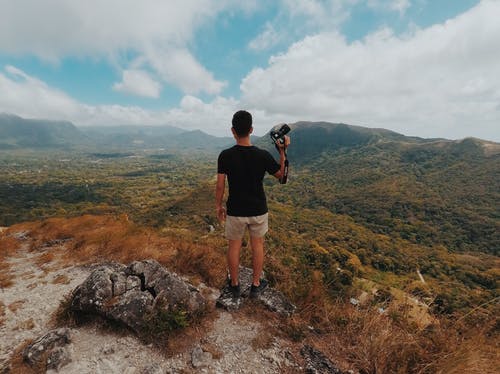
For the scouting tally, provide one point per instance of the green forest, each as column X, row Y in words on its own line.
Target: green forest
column 377, row 211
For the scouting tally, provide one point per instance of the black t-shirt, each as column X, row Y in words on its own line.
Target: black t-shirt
column 245, row 167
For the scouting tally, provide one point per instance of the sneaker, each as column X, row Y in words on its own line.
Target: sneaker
column 257, row 290
column 234, row 290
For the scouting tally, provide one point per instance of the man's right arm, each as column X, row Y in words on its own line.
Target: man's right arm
column 219, row 195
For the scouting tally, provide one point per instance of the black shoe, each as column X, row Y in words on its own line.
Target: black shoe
column 257, row 290
column 235, row 291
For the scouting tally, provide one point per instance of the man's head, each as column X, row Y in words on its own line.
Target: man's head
column 242, row 123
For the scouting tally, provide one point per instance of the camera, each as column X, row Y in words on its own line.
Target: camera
column 278, row 133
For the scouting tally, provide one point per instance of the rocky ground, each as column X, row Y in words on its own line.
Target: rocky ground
column 231, row 342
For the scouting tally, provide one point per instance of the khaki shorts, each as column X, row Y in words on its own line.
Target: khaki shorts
column 235, row 226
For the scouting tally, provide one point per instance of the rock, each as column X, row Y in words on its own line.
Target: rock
column 58, row 357
column 98, row 289
column 50, row 347
column 270, row 297
column 199, row 358
column 276, row 301
column 130, row 294
column 108, row 350
column 130, row 309
column 166, row 285
column 152, row 369
column 317, row 362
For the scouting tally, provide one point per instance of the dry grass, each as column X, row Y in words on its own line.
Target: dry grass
column 263, row 340
column 369, row 342
column 2, row 313
column 61, row 279
column 354, row 338
column 44, row 259
column 16, row 363
column 5, row 276
column 212, row 349
column 8, row 247
column 90, row 239
column 13, row 307
column 28, row 324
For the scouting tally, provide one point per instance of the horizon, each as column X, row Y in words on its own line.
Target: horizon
column 416, row 67
column 229, row 135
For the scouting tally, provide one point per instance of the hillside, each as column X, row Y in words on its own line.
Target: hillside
column 161, row 137
column 17, row 132
column 427, row 191
column 310, row 139
column 405, row 227
column 37, row 134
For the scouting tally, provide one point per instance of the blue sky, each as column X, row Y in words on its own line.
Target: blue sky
column 419, row 67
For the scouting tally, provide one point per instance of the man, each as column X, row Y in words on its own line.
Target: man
column 245, row 166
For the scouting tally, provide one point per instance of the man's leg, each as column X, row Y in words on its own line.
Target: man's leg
column 257, row 244
column 233, row 260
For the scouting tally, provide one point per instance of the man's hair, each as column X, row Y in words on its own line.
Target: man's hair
column 242, row 123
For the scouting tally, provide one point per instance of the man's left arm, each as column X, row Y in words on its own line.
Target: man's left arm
column 279, row 174
column 219, row 195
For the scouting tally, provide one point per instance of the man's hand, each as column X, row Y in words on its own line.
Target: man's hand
column 283, row 146
column 221, row 213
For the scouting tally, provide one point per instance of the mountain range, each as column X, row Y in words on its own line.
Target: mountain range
column 21, row 133
column 310, row 139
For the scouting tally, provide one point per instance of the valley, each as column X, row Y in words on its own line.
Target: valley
column 367, row 214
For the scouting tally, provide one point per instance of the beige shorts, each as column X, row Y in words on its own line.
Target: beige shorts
column 235, row 226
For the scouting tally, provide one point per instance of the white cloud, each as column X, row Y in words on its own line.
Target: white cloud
column 18, row 88
column 25, row 95
column 268, row 38
column 179, row 67
column 321, row 12
column 54, row 29
column 138, row 82
column 440, row 81
column 399, row 6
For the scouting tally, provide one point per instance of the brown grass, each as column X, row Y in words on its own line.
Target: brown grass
column 13, row 307
column 61, row 279
column 212, row 349
column 5, row 276
column 263, row 340
column 44, row 259
column 16, row 363
column 2, row 313
column 25, row 325
column 8, row 247
column 364, row 340
column 90, row 239
column 354, row 338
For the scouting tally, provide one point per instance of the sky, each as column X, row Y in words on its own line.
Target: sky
column 428, row 68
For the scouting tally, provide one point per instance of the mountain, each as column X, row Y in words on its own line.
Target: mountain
column 168, row 137
column 427, row 191
column 17, row 132
column 309, row 139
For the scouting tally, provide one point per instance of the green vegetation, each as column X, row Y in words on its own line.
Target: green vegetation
column 369, row 212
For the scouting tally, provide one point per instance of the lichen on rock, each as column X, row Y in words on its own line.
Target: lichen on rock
column 135, row 295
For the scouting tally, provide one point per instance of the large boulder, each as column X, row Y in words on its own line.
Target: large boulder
column 132, row 294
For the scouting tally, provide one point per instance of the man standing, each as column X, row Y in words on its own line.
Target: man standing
column 245, row 166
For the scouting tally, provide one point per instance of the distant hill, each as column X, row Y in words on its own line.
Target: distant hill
column 310, row 139
column 427, row 191
column 17, row 132
column 167, row 137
